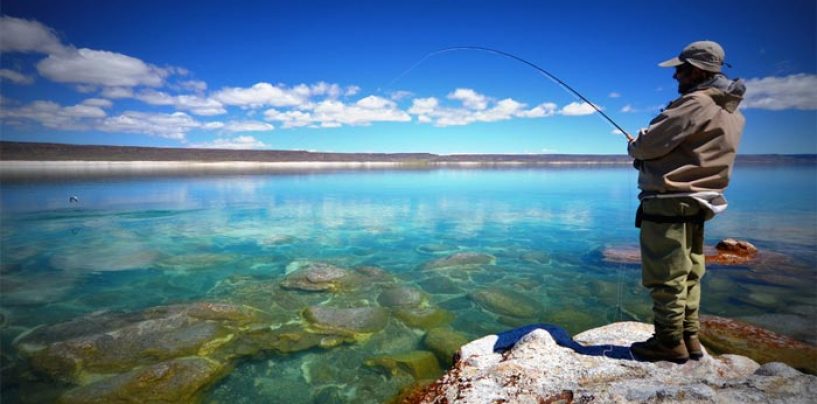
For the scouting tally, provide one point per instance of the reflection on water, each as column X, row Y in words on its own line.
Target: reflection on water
column 422, row 256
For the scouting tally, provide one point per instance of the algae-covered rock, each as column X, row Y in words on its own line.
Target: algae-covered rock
column 461, row 260
column 317, row 277
column 507, row 302
column 105, row 343
column 194, row 261
column 440, row 285
column 144, row 343
column 283, row 340
column 179, row 380
column 419, row 364
column 445, row 343
column 723, row 335
column 359, row 320
column 400, row 296
column 424, row 317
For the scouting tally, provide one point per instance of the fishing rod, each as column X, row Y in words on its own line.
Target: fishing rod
column 519, row 59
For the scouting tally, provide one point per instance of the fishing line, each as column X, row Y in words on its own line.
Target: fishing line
column 542, row 71
column 620, row 287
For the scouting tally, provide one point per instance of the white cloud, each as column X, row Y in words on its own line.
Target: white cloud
column 53, row 115
column 470, row 98
column 332, row 113
column 15, row 77
column 213, row 125
column 193, row 103
column 351, row 91
column 429, row 110
column 236, row 143
column 577, row 109
column 400, row 94
column 194, row 85
column 171, row 126
column 247, row 126
column 627, row 108
column 614, row 95
column 423, row 106
column 110, row 69
column 117, row 92
column 540, row 111
column 259, row 95
column 797, row 91
column 289, row 119
column 19, row 35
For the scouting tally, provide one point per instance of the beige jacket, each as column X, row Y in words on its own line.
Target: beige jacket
column 690, row 147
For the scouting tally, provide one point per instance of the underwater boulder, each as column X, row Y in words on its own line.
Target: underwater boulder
column 144, row 343
column 445, row 343
column 440, row 285
column 178, row 380
column 347, row 321
column 423, row 317
column 461, row 260
column 419, row 364
column 188, row 262
column 507, row 302
column 318, row 277
column 283, row 340
column 724, row 335
column 400, row 296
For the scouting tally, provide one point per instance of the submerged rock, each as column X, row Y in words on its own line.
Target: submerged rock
column 727, row 335
column 104, row 343
column 463, row 259
column 400, row 296
column 440, row 285
column 537, row 369
column 445, row 343
column 424, row 317
column 507, row 302
column 194, row 261
column 174, row 381
column 419, row 364
column 360, row 320
column 732, row 252
column 318, row 277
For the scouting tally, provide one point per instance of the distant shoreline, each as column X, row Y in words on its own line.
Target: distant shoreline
column 47, row 156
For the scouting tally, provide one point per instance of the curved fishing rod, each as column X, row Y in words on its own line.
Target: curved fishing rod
column 519, row 59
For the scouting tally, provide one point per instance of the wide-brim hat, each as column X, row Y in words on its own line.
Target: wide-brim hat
column 705, row 55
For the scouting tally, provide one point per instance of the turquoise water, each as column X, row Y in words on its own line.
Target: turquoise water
column 131, row 244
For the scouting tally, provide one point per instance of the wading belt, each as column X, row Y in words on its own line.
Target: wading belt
column 698, row 218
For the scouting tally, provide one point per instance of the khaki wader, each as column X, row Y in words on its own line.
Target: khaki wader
column 672, row 266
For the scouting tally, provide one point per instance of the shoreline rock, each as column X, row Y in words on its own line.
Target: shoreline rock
column 538, row 369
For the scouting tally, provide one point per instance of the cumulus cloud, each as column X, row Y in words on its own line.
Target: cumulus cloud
column 475, row 108
column 15, row 77
column 797, row 91
column 238, row 142
column 332, row 113
column 194, row 85
column 260, row 94
column 171, row 126
column 247, row 126
column 52, row 115
column 577, row 109
column 196, row 104
column 19, row 35
column 110, row 69
column 614, row 95
column 470, row 98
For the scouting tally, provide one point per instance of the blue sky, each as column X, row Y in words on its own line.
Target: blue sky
column 342, row 76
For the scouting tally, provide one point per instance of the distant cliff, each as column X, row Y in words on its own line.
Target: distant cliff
column 65, row 152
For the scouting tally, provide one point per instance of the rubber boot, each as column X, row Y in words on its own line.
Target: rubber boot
column 654, row 350
column 693, row 345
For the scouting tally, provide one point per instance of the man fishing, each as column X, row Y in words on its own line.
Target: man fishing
column 684, row 159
